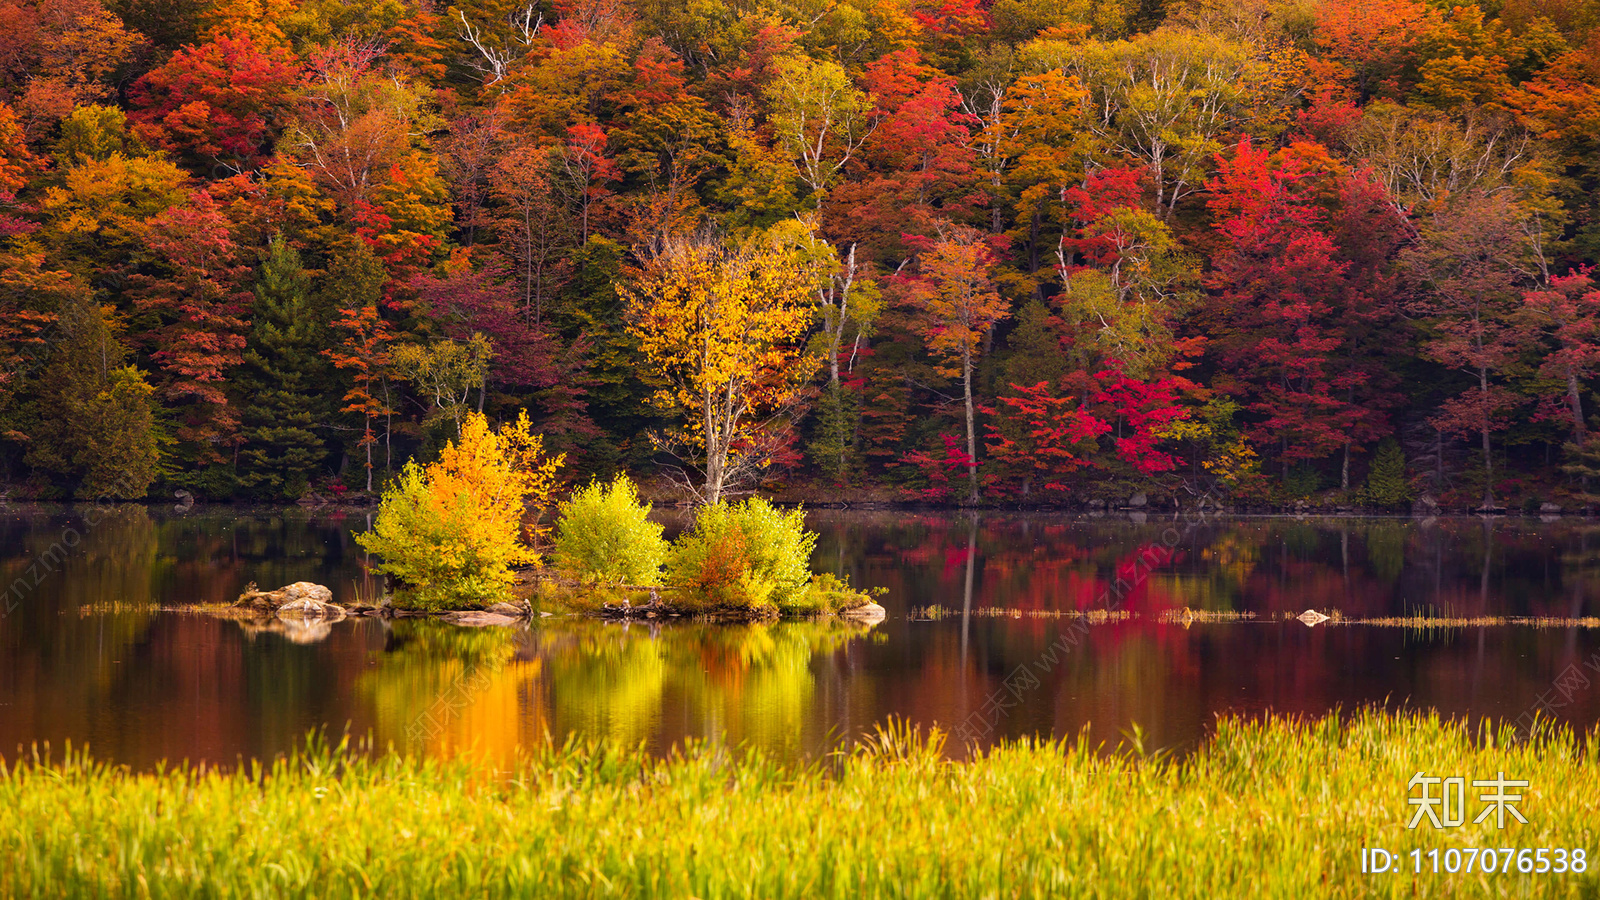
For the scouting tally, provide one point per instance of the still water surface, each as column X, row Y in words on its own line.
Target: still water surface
column 93, row 654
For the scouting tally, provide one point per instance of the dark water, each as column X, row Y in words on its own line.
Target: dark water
column 91, row 653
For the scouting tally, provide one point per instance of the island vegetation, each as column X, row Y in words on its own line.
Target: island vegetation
column 457, row 533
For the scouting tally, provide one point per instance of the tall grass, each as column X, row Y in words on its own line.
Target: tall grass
column 1269, row 809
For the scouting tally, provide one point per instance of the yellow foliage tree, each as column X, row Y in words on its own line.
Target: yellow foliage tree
column 1044, row 143
column 257, row 18
column 452, row 530
column 1216, row 442
column 722, row 326
column 821, row 119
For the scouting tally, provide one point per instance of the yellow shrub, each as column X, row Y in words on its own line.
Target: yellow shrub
column 452, row 530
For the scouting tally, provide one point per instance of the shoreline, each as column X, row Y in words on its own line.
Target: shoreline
column 1108, row 512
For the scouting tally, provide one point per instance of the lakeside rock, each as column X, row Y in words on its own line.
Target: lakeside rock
column 305, row 603
column 867, row 612
column 652, row 610
column 301, row 601
column 289, row 593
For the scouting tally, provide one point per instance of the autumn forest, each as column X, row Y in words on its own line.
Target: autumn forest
column 995, row 251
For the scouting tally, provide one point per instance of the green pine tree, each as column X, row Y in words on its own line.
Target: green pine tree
column 834, row 441
column 616, row 392
column 1386, row 482
column 97, row 416
column 284, row 379
column 1583, row 464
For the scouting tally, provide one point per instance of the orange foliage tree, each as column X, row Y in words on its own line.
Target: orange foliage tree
column 956, row 304
column 452, row 530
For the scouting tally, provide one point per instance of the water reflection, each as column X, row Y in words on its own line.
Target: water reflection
column 1363, row 567
column 93, row 652
column 441, row 690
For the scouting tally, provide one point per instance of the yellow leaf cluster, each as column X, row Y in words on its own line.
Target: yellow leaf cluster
column 504, row 474
column 723, row 327
column 1228, row 456
column 1232, row 461
column 452, row 530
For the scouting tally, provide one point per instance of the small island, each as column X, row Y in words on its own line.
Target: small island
column 461, row 538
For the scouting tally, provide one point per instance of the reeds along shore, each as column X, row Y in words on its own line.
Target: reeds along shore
column 1185, row 616
column 1281, row 807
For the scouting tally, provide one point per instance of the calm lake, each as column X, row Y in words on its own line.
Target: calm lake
column 94, row 653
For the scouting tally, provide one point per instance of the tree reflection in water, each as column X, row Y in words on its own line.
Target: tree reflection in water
column 441, row 689
column 86, row 655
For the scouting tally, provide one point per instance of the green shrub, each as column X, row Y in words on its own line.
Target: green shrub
column 604, row 535
column 826, row 593
column 427, row 546
column 1386, row 483
column 452, row 530
column 1303, row 481
column 748, row 556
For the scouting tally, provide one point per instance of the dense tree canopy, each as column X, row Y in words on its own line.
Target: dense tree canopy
column 975, row 249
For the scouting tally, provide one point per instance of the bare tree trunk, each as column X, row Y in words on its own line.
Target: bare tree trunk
column 972, row 428
column 1160, row 189
column 1438, row 459
column 1575, row 401
column 836, row 313
column 388, row 429
column 995, row 207
column 714, row 458
column 713, row 482
column 1488, row 460
column 1344, row 470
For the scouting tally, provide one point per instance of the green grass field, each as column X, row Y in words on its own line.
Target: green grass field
column 1275, row 809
